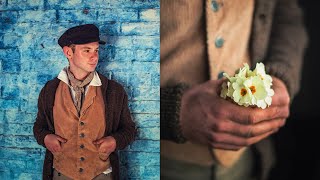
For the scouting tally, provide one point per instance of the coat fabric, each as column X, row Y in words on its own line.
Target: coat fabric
column 278, row 39
column 118, row 117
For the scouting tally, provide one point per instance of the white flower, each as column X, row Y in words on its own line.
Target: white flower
column 248, row 87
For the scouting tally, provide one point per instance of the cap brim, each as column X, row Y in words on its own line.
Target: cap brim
column 102, row 42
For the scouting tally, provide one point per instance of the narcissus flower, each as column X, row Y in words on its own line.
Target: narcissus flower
column 249, row 88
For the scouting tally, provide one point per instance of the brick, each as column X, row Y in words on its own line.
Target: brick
column 118, row 15
column 139, row 158
column 106, row 53
column 147, row 120
column 5, row 174
column 149, row 172
column 9, row 104
column 17, row 116
column 146, row 93
column 12, row 40
column 7, row 20
column 10, row 92
column 23, row 4
column 37, row 16
column 1, row 129
column 140, row 79
column 149, row 133
column 2, row 114
column 110, row 28
column 155, row 79
column 146, row 42
column 123, row 55
column 150, row 15
column 120, row 77
column 89, row 16
column 35, row 165
column 61, row 4
column 144, row 106
column 145, row 66
column 29, row 106
column 33, row 176
column 18, row 129
column 145, row 146
column 18, row 141
column 140, row 28
column 121, row 41
column 10, row 60
column 148, row 55
column 2, row 4
column 43, row 78
column 16, row 165
column 133, row 4
column 27, row 154
column 11, row 65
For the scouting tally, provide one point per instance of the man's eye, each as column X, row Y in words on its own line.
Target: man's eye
column 86, row 51
column 96, row 50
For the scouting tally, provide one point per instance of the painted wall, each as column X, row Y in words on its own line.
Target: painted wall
column 30, row 56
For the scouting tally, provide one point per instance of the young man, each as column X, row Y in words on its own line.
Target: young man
column 83, row 117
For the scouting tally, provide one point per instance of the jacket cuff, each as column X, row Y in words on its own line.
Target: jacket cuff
column 170, row 102
column 281, row 71
column 42, row 136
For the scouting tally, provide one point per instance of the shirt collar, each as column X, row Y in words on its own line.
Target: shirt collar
column 63, row 76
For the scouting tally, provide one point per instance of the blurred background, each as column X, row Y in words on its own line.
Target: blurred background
column 297, row 142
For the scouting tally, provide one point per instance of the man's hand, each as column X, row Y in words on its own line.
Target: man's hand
column 106, row 146
column 53, row 142
column 208, row 119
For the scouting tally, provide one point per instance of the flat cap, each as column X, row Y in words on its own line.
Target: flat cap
column 82, row 34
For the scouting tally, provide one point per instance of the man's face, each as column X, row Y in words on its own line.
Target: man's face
column 85, row 58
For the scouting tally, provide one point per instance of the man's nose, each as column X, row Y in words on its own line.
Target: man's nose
column 95, row 56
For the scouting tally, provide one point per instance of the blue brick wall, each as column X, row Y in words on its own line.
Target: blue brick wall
column 30, row 56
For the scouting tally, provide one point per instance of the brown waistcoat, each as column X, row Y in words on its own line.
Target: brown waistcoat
column 79, row 158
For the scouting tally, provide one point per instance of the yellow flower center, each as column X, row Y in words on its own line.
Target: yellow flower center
column 253, row 89
column 243, row 92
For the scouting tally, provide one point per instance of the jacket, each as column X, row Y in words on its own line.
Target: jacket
column 118, row 119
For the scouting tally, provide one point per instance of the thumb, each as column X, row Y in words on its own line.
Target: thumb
column 61, row 139
column 99, row 141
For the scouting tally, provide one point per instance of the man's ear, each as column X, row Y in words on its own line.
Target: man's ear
column 67, row 52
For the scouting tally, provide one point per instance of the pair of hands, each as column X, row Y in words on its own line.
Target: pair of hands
column 106, row 144
column 208, row 119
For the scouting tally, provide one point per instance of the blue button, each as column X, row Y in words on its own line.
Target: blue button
column 219, row 42
column 215, row 5
column 220, row 75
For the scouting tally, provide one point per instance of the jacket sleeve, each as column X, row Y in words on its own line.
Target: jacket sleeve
column 40, row 127
column 126, row 130
column 170, row 102
column 287, row 43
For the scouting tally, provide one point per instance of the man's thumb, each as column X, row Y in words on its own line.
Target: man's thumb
column 61, row 139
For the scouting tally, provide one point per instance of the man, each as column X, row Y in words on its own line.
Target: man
column 204, row 136
column 83, row 117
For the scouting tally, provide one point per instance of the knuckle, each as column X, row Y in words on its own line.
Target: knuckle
column 252, row 118
column 219, row 113
column 218, row 126
column 215, row 138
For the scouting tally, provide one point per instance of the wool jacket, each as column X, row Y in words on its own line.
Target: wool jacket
column 278, row 39
column 118, row 119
